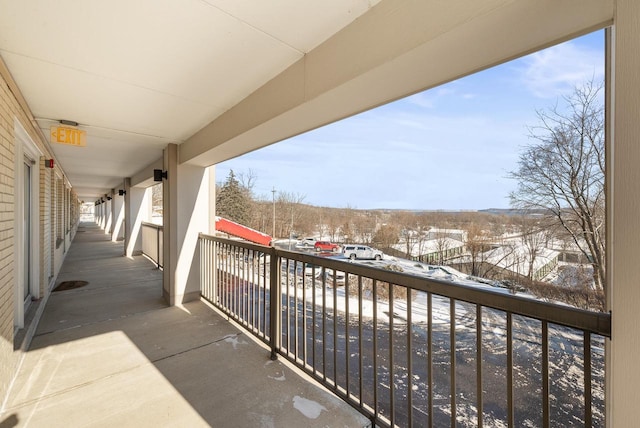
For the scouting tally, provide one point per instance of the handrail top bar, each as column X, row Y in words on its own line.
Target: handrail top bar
column 153, row 225
column 594, row 322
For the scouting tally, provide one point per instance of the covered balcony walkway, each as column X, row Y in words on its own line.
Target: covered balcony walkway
column 112, row 353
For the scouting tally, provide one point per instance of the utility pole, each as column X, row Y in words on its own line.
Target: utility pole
column 273, row 233
column 291, row 227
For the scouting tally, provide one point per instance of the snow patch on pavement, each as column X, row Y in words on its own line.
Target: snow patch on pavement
column 311, row 409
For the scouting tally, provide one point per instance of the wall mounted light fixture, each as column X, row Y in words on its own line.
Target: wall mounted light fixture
column 108, row 198
column 159, row 174
column 122, row 192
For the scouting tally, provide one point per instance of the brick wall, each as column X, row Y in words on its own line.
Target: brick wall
column 7, row 150
column 11, row 110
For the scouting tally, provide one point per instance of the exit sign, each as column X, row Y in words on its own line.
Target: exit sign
column 69, row 136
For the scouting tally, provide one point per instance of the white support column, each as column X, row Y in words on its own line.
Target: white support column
column 117, row 229
column 169, row 219
column 102, row 216
column 212, row 200
column 623, row 376
column 108, row 213
column 135, row 204
column 186, row 214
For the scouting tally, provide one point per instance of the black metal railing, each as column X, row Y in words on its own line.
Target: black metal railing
column 152, row 242
column 410, row 351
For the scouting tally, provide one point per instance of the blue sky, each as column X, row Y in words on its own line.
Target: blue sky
column 450, row 148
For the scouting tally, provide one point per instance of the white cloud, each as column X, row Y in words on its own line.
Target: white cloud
column 556, row 71
column 421, row 99
column 429, row 99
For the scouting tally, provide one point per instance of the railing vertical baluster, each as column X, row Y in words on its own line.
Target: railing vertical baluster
column 288, row 306
column 324, row 325
column 210, row 261
column 238, row 280
column 244, row 287
column 230, row 285
column 255, row 266
column 255, row 292
column 264, row 291
column 375, row 348
column 220, row 273
column 430, row 357
column 409, row 357
column 239, row 286
column 232, row 281
column 232, row 294
column 216, row 272
column 248, row 284
column 510, row 405
column 545, row 375
column 335, row 332
column 225, row 276
column 229, row 275
column 304, row 319
column 227, row 272
column 452, row 365
column 346, row 323
column 391, row 371
column 587, row 380
column 208, row 265
column 479, row 402
column 313, row 320
column 221, row 269
column 361, row 364
column 295, row 302
column 275, row 303
column 203, row 278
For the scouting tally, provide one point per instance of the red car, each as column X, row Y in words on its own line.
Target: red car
column 325, row 246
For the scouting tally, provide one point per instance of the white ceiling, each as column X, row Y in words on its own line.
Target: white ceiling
column 137, row 75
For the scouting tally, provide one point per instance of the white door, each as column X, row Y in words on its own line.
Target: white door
column 26, row 233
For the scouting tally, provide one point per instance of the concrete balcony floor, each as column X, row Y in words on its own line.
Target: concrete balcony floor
column 113, row 354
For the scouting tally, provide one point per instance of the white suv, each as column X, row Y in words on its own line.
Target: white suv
column 361, row 252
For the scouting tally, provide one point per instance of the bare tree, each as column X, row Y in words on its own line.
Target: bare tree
column 288, row 212
column 247, row 180
column 534, row 237
column 476, row 245
column 333, row 223
column 443, row 244
column 364, row 226
column 408, row 223
column 562, row 172
column 386, row 236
